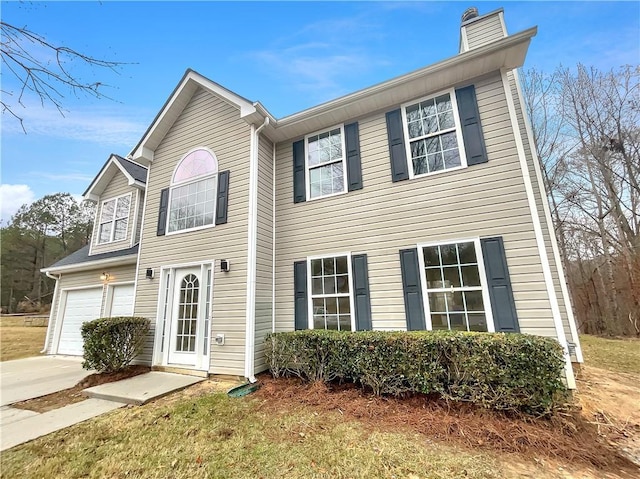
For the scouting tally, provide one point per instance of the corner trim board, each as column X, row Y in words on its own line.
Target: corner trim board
column 537, row 227
column 547, row 213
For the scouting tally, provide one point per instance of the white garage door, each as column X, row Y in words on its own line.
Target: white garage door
column 122, row 300
column 81, row 305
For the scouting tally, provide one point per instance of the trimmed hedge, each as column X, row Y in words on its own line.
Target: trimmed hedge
column 496, row 370
column 110, row 344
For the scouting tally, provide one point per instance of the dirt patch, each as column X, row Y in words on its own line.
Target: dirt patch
column 74, row 395
column 566, row 437
column 611, row 402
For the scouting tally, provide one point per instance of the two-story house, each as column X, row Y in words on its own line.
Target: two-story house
column 417, row 203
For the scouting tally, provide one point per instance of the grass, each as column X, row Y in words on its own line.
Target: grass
column 618, row 355
column 199, row 433
column 216, row 436
column 19, row 341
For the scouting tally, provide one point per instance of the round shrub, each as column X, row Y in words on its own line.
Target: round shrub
column 110, row 344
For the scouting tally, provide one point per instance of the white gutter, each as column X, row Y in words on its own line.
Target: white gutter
column 55, row 295
column 456, row 60
column 250, row 336
column 273, row 242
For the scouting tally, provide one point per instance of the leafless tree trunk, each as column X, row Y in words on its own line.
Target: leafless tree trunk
column 587, row 132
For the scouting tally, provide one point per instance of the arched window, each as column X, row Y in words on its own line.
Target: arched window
column 193, row 191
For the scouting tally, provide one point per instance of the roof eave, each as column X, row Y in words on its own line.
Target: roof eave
column 88, row 265
column 507, row 53
column 168, row 114
column 97, row 186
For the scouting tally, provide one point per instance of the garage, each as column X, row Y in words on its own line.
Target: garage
column 121, row 300
column 81, row 305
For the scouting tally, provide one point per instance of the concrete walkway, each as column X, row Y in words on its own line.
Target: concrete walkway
column 143, row 388
column 26, row 427
column 20, row 426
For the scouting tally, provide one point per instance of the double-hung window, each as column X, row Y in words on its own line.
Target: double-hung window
column 454, row 282
column 193, row 191
column 114, row 219
column 331, row 294
column 325, row 163
column 433, row 135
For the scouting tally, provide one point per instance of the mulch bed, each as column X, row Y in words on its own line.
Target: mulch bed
column 565, row 436
column 73, row 395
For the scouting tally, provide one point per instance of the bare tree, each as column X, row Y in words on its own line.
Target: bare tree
column 48, row 80
column 587, row 130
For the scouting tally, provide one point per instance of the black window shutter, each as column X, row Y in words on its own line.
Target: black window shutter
column 471, row 128
column 500, row 292
column 397, row 152
column 354, row 165
column 222, row 203
column 413, row 305
column 162, row 213
column 361, row 296
column 300, row 295
column 299, row 182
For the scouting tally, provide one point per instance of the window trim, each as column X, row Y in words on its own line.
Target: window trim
column 113, row 221
column 481, row 272
column 344, row 163
column 310, row 291
column 173, row 186
column 458, row 130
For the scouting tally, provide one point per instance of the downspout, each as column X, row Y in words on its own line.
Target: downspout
column 273, row 242
column 55, row 296
column 250, row 338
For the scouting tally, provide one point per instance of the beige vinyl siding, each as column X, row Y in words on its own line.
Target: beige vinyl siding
column 385, row 217
column 88, row 278
column 210, row 122
column 485, row 30
column 264, row 252
column 547, row 227
column 118, row 186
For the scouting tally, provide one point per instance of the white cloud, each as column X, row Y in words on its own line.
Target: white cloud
column 72, row 176
column 314, row 70
column 321, row 69
column 12, row 197
column 102, row 125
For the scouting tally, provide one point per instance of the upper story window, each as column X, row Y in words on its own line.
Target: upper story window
column 433, row 135
column 453, row 275
column 325, row 163
column 114, row 219
column 193, row 191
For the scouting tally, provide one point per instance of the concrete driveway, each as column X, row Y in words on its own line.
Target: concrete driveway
column 28, row 378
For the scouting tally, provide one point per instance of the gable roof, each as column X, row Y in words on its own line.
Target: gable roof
column 81, row 259
column 507, row 53
column 136, row 170
column 135, row 173
column 179, row 98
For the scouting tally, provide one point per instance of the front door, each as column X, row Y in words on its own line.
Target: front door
column 187, row 317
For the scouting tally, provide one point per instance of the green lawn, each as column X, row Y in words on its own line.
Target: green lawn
column 619, row 355
column 215, row 436
column 211, row 435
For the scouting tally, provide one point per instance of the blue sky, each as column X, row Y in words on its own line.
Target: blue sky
column 289, row 56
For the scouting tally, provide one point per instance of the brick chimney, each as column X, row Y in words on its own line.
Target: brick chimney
column 477, row 30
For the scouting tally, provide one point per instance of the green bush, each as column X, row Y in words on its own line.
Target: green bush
column 496, row 370
column 110, row 344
